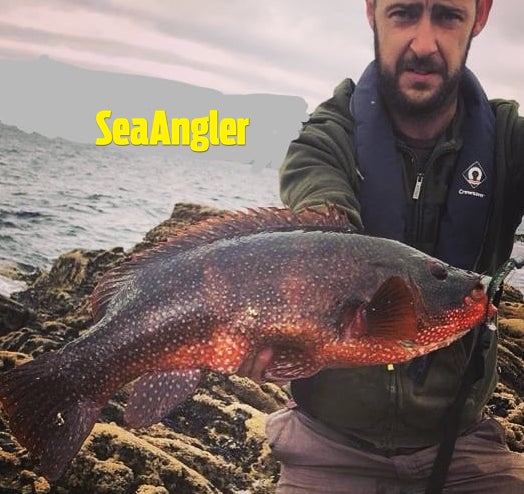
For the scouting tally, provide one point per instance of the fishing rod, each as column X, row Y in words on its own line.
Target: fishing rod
column 502, row 273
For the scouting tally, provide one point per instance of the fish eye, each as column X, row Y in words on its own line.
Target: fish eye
column 438, row 270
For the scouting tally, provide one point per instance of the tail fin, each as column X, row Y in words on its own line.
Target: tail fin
column 46, row 411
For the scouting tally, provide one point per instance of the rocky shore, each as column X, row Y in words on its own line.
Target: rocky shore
column 214, row 443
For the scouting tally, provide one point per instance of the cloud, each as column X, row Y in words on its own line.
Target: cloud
column 297, row 47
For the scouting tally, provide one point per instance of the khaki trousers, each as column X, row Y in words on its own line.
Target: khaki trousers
column 313, row 462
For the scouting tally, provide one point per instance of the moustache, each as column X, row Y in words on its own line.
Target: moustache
column 421, row 64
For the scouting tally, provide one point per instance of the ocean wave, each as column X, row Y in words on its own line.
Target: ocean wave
column 8, row 286
column 98, row 197
column 30, row 214
column 6, row 224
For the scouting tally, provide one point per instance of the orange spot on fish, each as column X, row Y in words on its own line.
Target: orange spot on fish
column 222, row 352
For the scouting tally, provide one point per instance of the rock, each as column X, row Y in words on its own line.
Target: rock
column 183, row 215
column 13, row 315
column 511, row 310
column 151, row 489
column 507, row 401
column 34, row 484
column 116, row 461
column 18, row 271
column 266, row 397
column 8, row 360
column 64, row 291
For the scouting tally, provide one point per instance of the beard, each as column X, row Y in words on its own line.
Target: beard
column 389, row 83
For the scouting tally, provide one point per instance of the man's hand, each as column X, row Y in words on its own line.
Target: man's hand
column 255, row 366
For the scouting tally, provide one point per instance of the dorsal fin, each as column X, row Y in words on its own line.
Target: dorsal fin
column 231, row 225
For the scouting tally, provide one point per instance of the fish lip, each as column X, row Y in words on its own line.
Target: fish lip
column 478, row 293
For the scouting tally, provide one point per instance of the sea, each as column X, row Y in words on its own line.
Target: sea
column 57, row 195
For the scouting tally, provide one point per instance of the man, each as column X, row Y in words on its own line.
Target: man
column 414, row 152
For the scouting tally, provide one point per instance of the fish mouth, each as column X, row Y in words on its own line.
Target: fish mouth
column 472, row 302
column 478, row 295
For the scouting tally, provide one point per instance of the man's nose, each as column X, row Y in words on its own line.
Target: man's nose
column 424, row 40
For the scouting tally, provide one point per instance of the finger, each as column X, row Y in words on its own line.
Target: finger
column 255, row 366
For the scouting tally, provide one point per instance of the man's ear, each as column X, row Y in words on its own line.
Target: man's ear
column 483, row 9
column 370, row 12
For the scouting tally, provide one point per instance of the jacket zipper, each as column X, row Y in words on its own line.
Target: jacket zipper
column 418, row 186
column 416, row 193
column 393, row 386
column 419, row 182
column 393, row 398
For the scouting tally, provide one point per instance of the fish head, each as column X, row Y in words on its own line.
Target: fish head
column 419, row 306
column 449, row 301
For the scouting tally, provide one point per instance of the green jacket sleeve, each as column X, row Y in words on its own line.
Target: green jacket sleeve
column 320, row 165
column 517, row 138
column 508, row 201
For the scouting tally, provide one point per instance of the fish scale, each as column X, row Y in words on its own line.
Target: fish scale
column 301, row 284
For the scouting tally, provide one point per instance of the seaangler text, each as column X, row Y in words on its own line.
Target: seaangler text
column 197, row 133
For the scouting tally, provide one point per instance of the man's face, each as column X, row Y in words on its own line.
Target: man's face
column 421, row 47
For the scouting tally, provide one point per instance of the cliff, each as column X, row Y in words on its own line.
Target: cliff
column 60, row 100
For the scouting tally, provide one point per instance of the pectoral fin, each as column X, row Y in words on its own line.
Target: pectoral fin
column 391, row 311
column 156, row 394
column 290, row 362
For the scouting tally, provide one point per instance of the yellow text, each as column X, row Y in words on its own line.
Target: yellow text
column 198, row 133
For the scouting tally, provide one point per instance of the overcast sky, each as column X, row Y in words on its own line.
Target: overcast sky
column 296, row 47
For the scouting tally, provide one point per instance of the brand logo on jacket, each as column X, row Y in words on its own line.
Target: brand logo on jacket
column 474, row 175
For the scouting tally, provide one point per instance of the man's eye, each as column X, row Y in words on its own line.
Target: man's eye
column 447, row 16
column 405, row 15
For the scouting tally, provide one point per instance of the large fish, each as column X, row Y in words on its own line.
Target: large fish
column 301, row 284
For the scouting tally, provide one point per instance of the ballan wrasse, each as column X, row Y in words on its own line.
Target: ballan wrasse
column 302, row 284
